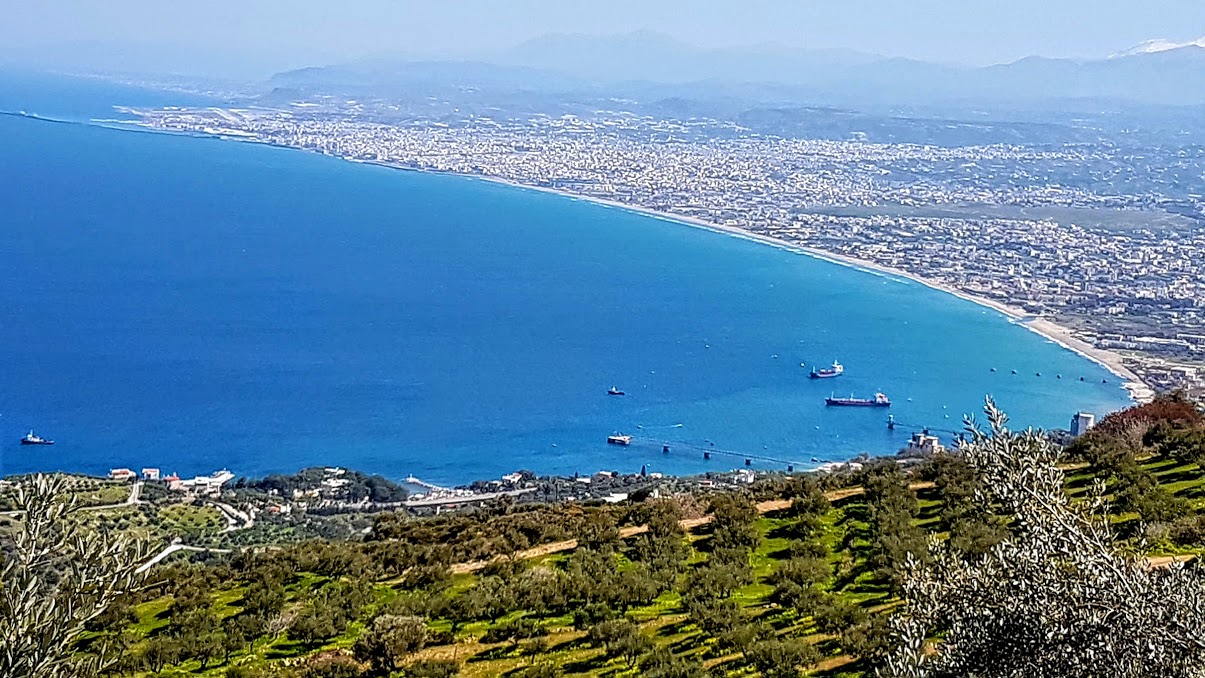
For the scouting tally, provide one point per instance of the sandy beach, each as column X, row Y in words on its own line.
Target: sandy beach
column 1048, row 329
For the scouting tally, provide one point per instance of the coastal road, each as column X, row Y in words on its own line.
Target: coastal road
column 235, row 519
column 133, row 499
column 466, row 499
column 173, row 548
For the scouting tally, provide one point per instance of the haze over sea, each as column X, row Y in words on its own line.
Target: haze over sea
column 190, row 304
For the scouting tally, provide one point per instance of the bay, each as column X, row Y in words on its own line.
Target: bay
column 191, row 304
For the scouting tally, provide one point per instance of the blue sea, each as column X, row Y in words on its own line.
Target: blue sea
column 190, row 304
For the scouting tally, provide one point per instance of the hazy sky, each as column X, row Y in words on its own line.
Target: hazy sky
column 297, row 32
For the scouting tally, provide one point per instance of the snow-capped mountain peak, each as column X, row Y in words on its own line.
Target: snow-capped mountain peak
column 1158, row 45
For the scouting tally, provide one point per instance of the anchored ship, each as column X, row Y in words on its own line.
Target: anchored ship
column 827, row 372
column 879, row 400
column 31, row 439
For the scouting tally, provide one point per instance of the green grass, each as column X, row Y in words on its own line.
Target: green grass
column 843, row 530
column 192, row 521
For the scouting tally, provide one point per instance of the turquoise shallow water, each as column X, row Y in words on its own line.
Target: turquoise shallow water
column 191, row 304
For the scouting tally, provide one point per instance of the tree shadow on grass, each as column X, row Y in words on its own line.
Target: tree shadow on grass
column 568, row 645
column 586, row 665
column 682, row 645
column 850, row 578
column 675, row 628
column 290, row 648
column 1179, row 476
column 780, row 514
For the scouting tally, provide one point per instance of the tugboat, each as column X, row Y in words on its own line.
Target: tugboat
column 619, row 439
column 879, row 400
column 828, row 372
column 614, row 391
column 31, row 439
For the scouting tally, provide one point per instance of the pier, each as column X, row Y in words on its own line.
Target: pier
column 893, row 424
column 413, row 480
column 667, row 446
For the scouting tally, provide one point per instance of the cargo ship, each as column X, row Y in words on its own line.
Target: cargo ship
column 31, row 439
column 827, row 372
column 879, row 400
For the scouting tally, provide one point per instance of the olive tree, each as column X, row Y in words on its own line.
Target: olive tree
column 1057, row 597
column 389, row 640
column 58, row 576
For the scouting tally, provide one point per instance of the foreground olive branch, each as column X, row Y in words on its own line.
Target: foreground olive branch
column 57, row 576
column 1058, row 598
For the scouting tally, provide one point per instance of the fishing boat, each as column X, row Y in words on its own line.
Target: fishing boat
column 619, row 439
column 614, row 391
column 32, row 439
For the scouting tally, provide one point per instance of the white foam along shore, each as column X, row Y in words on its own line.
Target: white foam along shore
column 1052, row 331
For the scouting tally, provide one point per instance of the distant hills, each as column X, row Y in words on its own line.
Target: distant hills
column 1155, row 73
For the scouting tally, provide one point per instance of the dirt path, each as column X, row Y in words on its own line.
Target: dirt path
column 1153, row 562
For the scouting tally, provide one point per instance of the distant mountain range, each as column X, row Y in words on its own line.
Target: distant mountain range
column 1154, row 73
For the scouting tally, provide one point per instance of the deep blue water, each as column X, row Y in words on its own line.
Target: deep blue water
column 191, row 304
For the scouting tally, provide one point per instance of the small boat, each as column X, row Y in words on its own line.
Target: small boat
column 879, row 400
column 619, row 439
column 614, row 391
column 828, row 372
column 31, row 439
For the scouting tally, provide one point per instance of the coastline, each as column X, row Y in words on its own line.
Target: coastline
column 1047, row 329
column 1113, row 362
